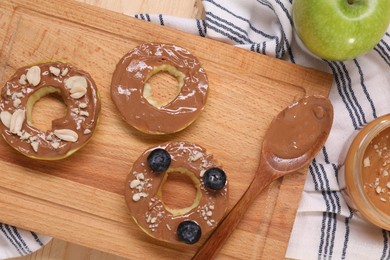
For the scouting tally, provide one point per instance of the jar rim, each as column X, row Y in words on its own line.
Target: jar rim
column 353, row 171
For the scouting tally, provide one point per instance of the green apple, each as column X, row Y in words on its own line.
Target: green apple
column 340, row 29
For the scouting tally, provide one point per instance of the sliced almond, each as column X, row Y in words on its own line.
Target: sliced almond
column 75, row 110
column 33, row 138
column 134, row 183
column 25, row 136
column 196, row 156
column 87, row 131
column 366, row 162
column 84, row 113
column 136, row 197
column 76, row 81
column 64, row 72
column 35, row 146
column 66, row 135
column 23, row 79
column 49, row 137
column 77, row 95
column 17, row 120
column 33, row 75
column 77, row 91
column 16, row 102
column 83, row 105
column 55, row 145
column 140, row 176
column 77, row 86
column 55, row 71
column 5, row 117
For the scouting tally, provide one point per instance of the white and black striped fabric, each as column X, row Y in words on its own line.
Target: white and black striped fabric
column 18, row 242
column 325, row 227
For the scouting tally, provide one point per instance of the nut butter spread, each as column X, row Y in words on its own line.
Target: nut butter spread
column 296, row 130
column 376, row 171
column 143, row 193
column 132, row 95
column 28, row 85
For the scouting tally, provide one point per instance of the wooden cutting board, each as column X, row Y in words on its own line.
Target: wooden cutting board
column 80, row 199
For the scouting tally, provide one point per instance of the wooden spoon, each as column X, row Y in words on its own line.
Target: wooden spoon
column 291, row 142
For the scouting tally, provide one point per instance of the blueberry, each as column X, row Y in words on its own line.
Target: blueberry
column 159, row 160
column 189, row 232
column 214, row 178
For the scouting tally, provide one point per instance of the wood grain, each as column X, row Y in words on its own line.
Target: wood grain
column 82, row 201
column 185, row 9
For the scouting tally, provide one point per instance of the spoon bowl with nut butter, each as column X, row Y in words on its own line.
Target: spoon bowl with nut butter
column 291, row 142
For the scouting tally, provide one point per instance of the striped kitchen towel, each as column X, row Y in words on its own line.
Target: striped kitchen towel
column 325, row 227
column 18, row 242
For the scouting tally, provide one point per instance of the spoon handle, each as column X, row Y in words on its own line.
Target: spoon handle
column 228, row 224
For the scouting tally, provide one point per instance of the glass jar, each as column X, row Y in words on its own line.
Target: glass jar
column 366, row 180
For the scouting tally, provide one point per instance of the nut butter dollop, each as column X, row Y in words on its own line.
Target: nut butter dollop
column 144, row 198
column 297, row 128
column 69, row 133
column 130, row 91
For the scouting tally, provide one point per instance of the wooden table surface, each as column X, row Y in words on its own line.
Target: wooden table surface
column 58, row 249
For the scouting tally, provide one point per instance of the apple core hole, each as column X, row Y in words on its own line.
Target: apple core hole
column 163, row 85
column 46, row 107
column 178, row 191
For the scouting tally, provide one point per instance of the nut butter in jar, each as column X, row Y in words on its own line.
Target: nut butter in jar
column 367, row 173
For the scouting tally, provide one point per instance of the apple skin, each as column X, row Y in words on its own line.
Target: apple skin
column 340, row 29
